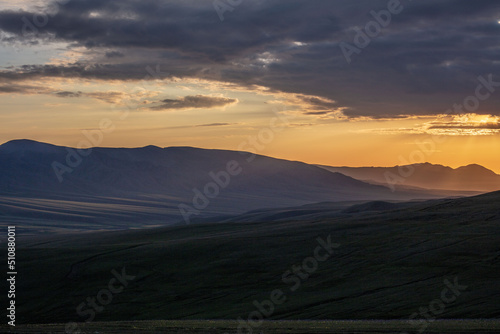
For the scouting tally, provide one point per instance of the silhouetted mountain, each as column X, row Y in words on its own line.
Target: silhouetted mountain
column 468, row 178
column 147, row 184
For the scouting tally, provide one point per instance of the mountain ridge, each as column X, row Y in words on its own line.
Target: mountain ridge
column 472, row 177
column 168, row 177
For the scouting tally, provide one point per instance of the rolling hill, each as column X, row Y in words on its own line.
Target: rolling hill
column 391, row 261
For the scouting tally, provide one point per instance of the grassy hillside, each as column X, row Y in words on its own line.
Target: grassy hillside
column 390, row 264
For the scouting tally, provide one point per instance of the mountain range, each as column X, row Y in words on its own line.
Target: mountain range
column 48, row 187
column 471, row 177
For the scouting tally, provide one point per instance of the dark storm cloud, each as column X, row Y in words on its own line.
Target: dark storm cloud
column 185, row 26
column 194, row 102
column 114, row 54
column 424, row 61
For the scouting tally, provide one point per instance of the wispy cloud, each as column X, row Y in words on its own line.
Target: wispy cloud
column 215, row 124
column 23, row 89
column 465, row 125
column 107, row 96
column 208, row 125
column 194, row 102
column 446, row 125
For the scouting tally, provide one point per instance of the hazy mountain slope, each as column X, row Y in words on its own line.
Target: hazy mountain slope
column 310, row 211
column 152, row 176
column 42, row 215
column 389, row 265
column 470, row 178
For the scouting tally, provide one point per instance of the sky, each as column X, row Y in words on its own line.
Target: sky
column 338, row 82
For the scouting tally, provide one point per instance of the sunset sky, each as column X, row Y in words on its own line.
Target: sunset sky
column 212, row 74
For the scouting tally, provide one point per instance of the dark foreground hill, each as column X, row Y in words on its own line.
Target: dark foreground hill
column 438, row 259
column 47, row 188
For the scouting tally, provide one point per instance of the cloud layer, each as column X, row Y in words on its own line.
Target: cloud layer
column 427, row 58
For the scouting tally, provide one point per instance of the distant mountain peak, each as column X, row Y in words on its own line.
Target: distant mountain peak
column 428, row 164
column 472, row 177
column 475, row 168
column 151, row 147
column 20, row 145
column 471, row 167
column 22, row 142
